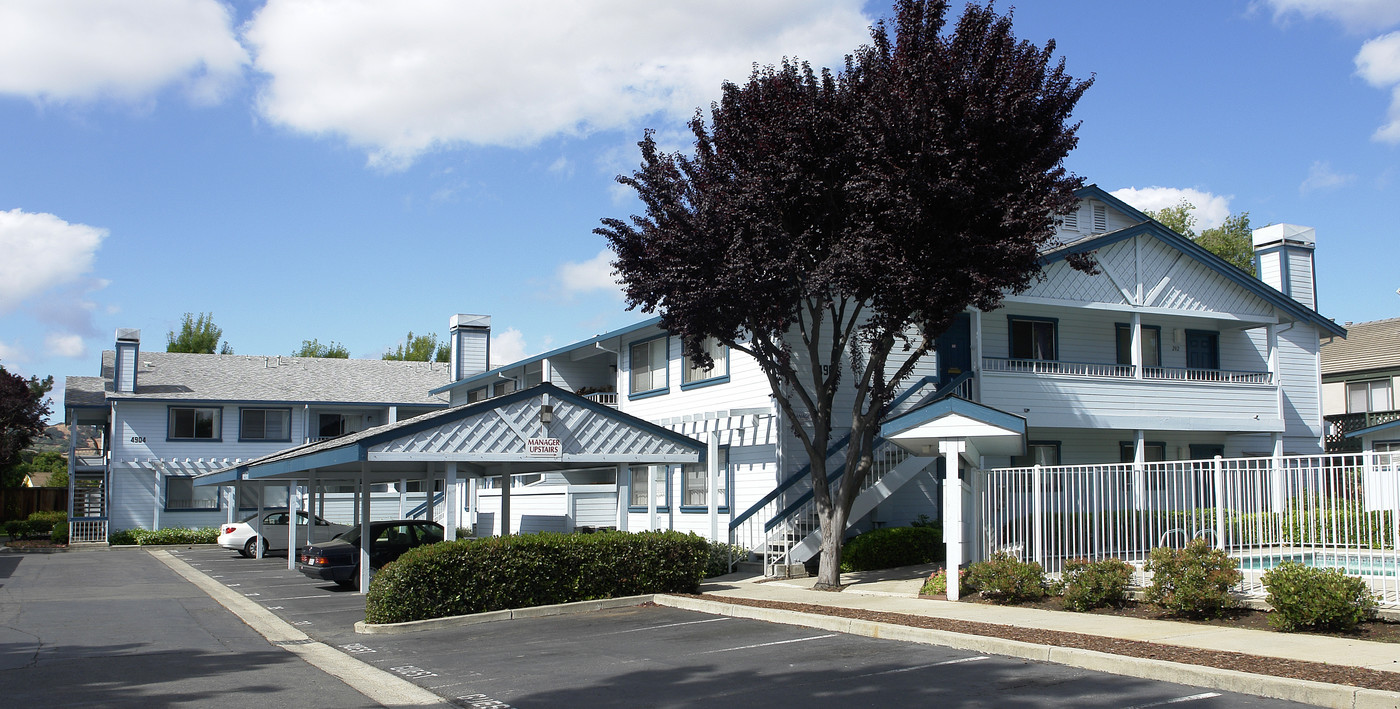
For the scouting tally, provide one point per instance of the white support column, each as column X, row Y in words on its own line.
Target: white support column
column 651, row 497
column 1218, row 482
column 454, row 504
column 1139, row 470
column 473, row 491
column 1278, row 478
column 155, row 496
column 505, row 499
column 365, row 540
column 712, row 469
column 1137, row 345
column 393, row 414
column 403, row 496
column 257, row 525
column 293, row 506
column 623, row 497
column 952, row 451
column 311, row 515
column 230, row 494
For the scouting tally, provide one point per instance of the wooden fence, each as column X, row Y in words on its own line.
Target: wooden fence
column 20, row 502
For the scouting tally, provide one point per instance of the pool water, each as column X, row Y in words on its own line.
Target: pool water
column 1377, row 564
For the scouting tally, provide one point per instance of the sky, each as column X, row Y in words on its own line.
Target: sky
column 353, row 171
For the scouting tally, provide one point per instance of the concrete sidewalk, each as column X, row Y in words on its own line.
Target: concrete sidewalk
column 896, row 591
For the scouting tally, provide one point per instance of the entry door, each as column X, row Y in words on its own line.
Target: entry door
column 1202, row 349
column 954, row 349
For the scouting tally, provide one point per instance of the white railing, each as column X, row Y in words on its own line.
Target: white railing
column 87, row 530
column 1050, row 366
column 1328, row 510
column 606, row 398
column 800, row 520
column 1225, row 376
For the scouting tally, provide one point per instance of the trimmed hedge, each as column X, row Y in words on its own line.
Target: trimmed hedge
column 1306, row 598
column 496, row 573
column 888, row 547
column 1004, row 579
column 1193, row 582
column 169, row 535
column 720, row 553
column 59, row 535
column 1094, row 584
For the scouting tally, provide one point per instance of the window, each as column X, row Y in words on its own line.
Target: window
column 719, row 372
column 1373, row 395
column 637, row 500
column 1032, row 338
column 647, row 360
column 534, row 374
column 265, row 425
column 505, row 386
column 695, row 482
column 1152, row 452
column 181, row 494
column 476, row 395
column 1038, row 453
column 191, row 424
column 1151, row 345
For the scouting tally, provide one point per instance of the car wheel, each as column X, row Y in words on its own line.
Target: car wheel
column 250, row 551
column 353, row 581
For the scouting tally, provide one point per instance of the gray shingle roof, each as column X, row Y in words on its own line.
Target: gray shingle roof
column 1367, row 346
column 206, row 377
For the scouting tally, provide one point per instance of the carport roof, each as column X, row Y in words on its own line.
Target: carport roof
column 485, row 436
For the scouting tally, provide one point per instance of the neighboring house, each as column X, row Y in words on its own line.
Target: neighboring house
column 1360, row 374
column 153, row 420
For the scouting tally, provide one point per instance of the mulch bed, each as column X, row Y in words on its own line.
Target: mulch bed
column 1273, row 666
column 34, row 544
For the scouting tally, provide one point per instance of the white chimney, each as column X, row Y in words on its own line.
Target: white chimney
column 470, row 336
column 1283, row 258
column 128, row 354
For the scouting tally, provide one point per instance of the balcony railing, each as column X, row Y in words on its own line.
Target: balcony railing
column 606, row 398
column 1337, row 426
column 1122, row 371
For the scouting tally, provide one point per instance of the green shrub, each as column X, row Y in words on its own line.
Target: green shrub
column 122, row 536
column 41, row 523
column 17, row 529
column 176, row 535
column 1193, row 582
column 1005, row 579
column 889, row 547
column 495, row 573
column 1306, row 598
column 1094, row 584
column 937, row 584
column 720, row 554
column 59, row 535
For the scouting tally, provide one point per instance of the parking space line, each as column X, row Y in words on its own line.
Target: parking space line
column 779, row 642
column 958, row 661
column 293, row 598
column 1178, row 700
column 668, row 625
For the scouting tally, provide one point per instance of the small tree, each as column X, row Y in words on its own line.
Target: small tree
column 1232, row 241
column 313, row 348
column 831, row 226
column 421, row 348
column 198, row 335
column 23, row 407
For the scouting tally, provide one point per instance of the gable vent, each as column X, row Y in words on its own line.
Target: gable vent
column 1100, row 218
column 1070, row 220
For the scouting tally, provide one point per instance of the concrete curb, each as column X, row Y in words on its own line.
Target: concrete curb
column 456, row 621
column 1315, row 693
column 377, row 685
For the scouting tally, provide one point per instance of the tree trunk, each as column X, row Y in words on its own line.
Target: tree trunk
column 833, row 533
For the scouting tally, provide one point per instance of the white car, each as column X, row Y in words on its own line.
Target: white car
column 241, row 537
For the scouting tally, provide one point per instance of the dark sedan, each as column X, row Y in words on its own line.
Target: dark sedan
column 338, row 560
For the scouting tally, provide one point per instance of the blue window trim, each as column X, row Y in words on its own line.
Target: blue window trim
column 169, row 428
column 241, row 439
column 657, row 391
column 1010, row 336
column 1059, row 459
column 165, row 495
column 728, row 474
column 1119, row 355
column 659, row 508
column 1129, row 446
column 710, row 381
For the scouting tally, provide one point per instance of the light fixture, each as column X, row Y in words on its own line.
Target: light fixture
column 546, row 414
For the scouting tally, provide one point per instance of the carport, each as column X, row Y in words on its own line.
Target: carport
column 540, row 429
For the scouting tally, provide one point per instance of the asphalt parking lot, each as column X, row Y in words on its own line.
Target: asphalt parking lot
column 651, row 656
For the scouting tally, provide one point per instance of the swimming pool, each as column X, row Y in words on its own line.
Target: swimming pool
column 1353, row 563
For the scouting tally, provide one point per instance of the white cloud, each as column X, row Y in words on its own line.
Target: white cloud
column 595, row 274
column 64, row 345
column 60, row 50
column 1355, row 15
column 11, row 354
column 406, row 77
column 1321, row 176
column 1211, row 209
column 563, row 166
column 507, row 346
column 1378, row 63
column 41, row 252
